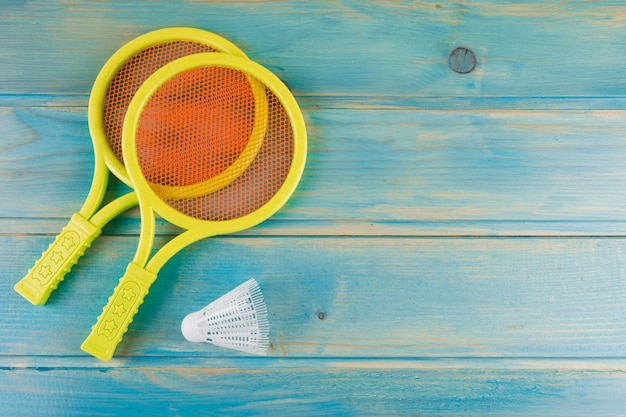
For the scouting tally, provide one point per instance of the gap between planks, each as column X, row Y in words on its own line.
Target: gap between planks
column 129, row 226
column 374, row 102
column 10, row 363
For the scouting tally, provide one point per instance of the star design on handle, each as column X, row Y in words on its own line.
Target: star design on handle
column 44, row 272
column 119, row 310
column 56, row 257
column 110, row 326
column 68, row 242
column 128, row 294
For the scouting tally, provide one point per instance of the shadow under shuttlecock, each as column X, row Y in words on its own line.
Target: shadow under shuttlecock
column 237, row 320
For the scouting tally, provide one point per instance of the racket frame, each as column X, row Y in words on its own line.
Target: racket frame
column 86, row 225
column 132, row 288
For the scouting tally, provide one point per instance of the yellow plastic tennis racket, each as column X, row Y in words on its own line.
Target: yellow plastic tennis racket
column 191, row 107
column 117, row 82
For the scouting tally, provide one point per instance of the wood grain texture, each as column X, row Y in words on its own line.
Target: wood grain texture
column 381, row 297
column 463, row 235
column 347, row 48
column 331, row 389
column 432, row 172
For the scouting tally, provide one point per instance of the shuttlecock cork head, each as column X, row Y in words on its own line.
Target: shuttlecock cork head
column 236, row 320
column 190, row 328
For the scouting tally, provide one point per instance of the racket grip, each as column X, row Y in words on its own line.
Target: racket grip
column 117, row 315
column 57, row 260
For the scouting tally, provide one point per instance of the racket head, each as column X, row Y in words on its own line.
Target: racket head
column 283, row 113
column 104, row 143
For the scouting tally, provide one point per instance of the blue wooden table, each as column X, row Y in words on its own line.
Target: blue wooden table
column 455, row 247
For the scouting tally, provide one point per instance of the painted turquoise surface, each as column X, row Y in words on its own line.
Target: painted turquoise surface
column 328, row 391
column 455, row 247
column 554, row 167
column 341, row 47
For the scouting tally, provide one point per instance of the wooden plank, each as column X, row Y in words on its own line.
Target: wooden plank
column 314, row 388
column 351, row 48
column 409, row 172
column 381, row 297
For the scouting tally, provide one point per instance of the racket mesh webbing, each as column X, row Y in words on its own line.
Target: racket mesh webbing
column 131, row 76
column 196, row 125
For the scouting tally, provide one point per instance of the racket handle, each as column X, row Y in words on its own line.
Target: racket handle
column 119, row 312
column 57, row 260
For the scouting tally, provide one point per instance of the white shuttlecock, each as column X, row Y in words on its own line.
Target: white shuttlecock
column 237, row 320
